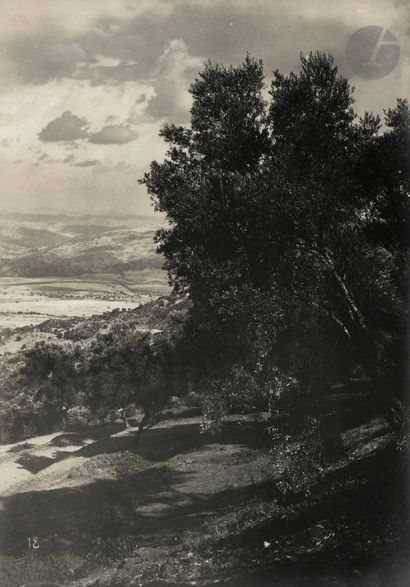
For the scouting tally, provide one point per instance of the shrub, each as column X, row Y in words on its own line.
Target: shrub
column 214, row 408
column 297, row 457
column 175, row 403
column 79, row 416
column 193, row 399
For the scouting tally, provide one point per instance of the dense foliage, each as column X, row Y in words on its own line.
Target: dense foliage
column 113, row 367
column 124, row 366
column 289, row 228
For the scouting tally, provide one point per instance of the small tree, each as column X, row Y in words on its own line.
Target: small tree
column 50, row 382
column 125, row 366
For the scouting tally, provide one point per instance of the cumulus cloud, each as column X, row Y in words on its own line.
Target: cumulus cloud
column 68, row 127
column 175, row 69
column 114, row 134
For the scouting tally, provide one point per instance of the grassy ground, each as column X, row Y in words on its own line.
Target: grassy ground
column 186, row 508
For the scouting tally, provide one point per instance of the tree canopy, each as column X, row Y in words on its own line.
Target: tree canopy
column 288, row 225
column 125, row 366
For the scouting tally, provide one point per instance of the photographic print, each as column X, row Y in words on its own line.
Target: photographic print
column 204, row 293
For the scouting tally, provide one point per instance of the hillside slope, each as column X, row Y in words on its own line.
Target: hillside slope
column 39, row 245
column 160, row 314
column 184, row 507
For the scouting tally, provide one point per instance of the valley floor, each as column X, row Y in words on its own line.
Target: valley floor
column 31, row 301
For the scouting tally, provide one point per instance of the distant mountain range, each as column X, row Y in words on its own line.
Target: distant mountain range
column 37, row 244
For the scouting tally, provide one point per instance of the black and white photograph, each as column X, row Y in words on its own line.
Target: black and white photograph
column 204, row 293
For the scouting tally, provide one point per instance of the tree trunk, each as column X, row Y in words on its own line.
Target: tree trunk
column 391, row 407
column 124, row 418
column 141, row 428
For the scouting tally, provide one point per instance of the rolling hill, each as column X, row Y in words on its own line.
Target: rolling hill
column 40, row 245
column 61, row 265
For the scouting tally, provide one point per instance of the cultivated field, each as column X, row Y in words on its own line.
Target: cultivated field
column 65, row 266
column 30, row 301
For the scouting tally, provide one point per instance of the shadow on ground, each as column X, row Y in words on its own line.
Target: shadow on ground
column 20, row 447
column 34, row 463
column 155, row 505
column 147, row 505
column 143, row 503
column 162, row 443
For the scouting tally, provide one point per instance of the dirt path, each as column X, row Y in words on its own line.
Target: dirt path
column 105, row 510
column 82, row 496
column 21, row 461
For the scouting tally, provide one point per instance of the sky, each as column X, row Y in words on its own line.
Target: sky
column 85, row 86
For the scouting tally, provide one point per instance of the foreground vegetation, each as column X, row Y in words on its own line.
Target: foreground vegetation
column 93, row 370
